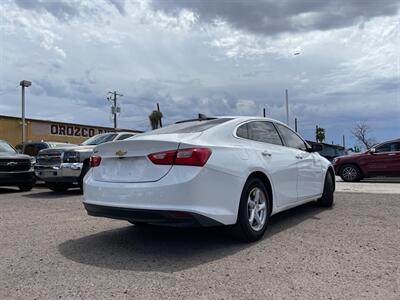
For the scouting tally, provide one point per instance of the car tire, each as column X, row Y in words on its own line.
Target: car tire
column 58, row 187
column 327, row 196
column 254, row 211
column 350, row 173
column 25, row 187
column 85, row 169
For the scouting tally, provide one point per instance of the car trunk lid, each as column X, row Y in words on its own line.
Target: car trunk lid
column 127, row 161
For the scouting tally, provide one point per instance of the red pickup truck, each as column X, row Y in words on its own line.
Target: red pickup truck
column 381, row 160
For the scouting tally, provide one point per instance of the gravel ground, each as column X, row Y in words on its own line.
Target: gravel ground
column 51, row 249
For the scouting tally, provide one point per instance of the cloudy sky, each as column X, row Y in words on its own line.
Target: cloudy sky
column 215, row 57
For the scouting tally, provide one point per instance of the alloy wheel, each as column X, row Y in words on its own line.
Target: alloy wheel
column 349, row 173
column 257, row 209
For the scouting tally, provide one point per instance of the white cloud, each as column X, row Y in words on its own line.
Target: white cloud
column 74, row 57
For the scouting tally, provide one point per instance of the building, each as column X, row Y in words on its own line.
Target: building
column 45, row 130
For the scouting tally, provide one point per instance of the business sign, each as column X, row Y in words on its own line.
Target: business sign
column 68, row 130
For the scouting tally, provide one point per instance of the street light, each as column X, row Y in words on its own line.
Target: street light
column 23, row 84
column 287, row 96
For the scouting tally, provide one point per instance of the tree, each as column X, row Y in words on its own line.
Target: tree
column 361, row 132
column 320, row 134
column 155, row 119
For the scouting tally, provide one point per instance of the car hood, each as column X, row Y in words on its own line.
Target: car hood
column 9, row 155
column 69, row 148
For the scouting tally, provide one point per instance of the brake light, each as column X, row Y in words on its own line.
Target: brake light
column 183, row 157
column 95, row 161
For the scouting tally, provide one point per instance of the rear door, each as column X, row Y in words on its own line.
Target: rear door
column 279, row 161
column 310, row 177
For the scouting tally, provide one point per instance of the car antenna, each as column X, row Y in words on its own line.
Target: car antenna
column 203, row 116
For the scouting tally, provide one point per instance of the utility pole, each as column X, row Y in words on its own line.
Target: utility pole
column 295, row 124
column 23, row 84
column 287, row 107
column 158, row 109
column 114, row 108
column 264, row 113
column 344, row 142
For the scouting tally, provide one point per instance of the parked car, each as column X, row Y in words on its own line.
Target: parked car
column 209, row 171
column 60, row 168
column 15, row 169
column 33, row 148
column 381, row 160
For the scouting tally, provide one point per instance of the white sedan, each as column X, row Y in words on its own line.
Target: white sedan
column 207, row 172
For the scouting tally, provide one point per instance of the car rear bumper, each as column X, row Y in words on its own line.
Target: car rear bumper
column 17, row 178
column 158, row 217
column 65, row 172
column 192, row 190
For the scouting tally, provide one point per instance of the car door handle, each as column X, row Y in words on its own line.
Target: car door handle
column 391, row 154
column 266, row 153
column 298, row 156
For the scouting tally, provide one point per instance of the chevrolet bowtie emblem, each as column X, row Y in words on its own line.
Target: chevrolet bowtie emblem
column 120, row 153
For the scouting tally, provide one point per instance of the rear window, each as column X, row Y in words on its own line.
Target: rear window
column 188, row 127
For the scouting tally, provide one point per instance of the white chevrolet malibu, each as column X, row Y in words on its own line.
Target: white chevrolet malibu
column 208, row 172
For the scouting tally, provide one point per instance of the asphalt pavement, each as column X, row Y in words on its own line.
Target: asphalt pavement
column 50, row 249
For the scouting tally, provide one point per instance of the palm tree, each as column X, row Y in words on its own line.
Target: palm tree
column 155, row 119
column 320, row 134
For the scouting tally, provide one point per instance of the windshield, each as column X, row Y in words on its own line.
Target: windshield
column 188, row 127
column 5, row 147
column 100, row 139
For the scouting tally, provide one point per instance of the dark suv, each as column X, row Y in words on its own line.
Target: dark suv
column 381, row 160
column 15, row 169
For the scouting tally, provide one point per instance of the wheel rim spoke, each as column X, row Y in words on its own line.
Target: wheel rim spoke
column 252, row 215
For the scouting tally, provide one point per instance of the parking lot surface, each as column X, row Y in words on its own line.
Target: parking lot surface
column 50, row 248
column 370, row 186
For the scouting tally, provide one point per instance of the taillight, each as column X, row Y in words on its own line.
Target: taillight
column 183, row 157
column 95, row 161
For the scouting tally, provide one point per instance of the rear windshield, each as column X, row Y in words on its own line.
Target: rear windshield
column 188, row 127
column 99, row 139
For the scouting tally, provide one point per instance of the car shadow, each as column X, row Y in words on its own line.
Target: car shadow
column 49, row 194
column 6, row 190
column 164, row 249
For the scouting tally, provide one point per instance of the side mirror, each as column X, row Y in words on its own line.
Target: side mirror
column 372, row 150
column 316, row 148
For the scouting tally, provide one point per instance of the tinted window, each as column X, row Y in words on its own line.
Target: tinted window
column 259, row 131
column 124, row 136
column 243, row 131
column 388, row 147
column 188, row 127
column 263, row 132
column 290, row 138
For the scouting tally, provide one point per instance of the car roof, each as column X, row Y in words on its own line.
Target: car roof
column 389, row 141
column 124, row 132
column 252, row 118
